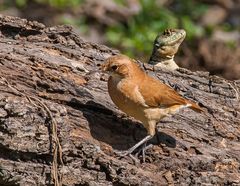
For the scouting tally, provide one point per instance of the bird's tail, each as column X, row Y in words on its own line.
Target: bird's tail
column 195, row 107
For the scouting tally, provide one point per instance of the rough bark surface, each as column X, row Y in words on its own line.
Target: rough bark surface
column 49, row 76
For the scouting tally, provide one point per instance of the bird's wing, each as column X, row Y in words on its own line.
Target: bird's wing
column 156, row 94
column 130, row 90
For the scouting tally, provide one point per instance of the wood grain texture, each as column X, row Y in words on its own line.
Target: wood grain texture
column 57, row 67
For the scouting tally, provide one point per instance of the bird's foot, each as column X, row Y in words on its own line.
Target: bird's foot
column 141, row 144
column 143, row 150
column 127, row 153
column 135, row 157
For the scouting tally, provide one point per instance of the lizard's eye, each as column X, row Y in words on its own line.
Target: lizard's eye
column 114, row 67
column 167, row 32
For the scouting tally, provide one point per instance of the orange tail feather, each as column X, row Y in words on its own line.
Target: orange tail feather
column 195, row 107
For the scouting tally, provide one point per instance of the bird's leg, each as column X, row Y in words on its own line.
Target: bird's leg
column 151, row 128
column 143, row 151
column 146, row 147
column 129, row 151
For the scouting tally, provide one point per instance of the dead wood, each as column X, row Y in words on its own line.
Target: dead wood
column 54, row 105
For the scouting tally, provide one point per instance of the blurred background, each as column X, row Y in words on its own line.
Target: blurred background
column 212, row 26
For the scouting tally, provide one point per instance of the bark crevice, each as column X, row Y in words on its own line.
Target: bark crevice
column 54, row 76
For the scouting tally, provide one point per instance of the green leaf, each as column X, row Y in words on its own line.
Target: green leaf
column 21, row 3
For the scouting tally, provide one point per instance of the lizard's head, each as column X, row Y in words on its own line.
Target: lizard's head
column 167, row 43
column 119, row 65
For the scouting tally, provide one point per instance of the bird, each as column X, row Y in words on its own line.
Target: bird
column 141, row 96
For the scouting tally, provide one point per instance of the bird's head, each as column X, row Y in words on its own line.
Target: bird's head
column 119, row 65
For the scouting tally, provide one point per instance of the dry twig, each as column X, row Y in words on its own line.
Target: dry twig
column 56, row 146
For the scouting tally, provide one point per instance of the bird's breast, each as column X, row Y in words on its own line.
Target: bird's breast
column 123, row 101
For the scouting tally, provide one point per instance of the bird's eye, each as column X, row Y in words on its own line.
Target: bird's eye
column 114, row 67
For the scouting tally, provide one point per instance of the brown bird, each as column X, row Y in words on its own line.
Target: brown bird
column 141, row 96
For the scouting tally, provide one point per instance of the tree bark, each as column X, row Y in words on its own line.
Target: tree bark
column 53, row 100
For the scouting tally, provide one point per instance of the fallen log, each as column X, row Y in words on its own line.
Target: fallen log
column 59, row 126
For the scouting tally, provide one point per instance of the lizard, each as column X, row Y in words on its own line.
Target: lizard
column 165, row 47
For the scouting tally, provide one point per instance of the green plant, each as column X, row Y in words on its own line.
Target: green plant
column 140, row 31
column 53, row 3
column 137, row 35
